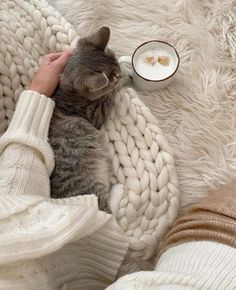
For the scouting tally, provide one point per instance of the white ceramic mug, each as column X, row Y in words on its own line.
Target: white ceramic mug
column 165, row 75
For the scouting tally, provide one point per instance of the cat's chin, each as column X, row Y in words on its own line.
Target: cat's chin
column 113, row 88
column 104, row 92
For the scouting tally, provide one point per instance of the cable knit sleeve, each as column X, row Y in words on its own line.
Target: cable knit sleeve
column 26, row 157
column 48, row 243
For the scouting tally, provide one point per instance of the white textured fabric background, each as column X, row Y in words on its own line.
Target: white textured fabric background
column 197, row 113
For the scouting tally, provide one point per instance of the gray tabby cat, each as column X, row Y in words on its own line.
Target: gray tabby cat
column 84, row 99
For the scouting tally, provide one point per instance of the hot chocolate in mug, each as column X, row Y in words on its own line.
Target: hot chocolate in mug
column 154, row 64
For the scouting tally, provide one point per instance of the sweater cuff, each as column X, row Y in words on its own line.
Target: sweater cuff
column 32, row 115
column 89, row 200
column 30, row 125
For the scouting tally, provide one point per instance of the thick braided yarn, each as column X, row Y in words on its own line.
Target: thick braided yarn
column 29, row 30
column 146, row 202
column 143, row 162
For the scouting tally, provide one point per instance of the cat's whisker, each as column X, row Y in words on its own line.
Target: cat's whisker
column 117, row 85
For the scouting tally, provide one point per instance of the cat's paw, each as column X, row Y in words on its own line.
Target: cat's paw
column 116, row 194
column 103, row 204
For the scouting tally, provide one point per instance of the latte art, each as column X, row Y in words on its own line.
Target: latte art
column 155, row 64
column 164, row 60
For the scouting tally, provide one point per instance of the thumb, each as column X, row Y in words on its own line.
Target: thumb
column 61, row 62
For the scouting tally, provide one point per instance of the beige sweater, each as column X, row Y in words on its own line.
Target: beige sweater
column 213, row 218
column 46, row 243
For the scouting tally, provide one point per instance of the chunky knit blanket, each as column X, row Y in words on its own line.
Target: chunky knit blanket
column 146, row 203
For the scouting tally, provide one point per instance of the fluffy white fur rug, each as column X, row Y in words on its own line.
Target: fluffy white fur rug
column 197, row 113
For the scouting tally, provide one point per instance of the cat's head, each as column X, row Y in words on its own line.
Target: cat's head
column 93, row 70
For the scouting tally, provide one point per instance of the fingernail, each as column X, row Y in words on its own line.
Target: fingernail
column 71, row 51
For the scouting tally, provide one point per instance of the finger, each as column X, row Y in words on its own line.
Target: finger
column 62, row 60
column 48, row 58
column 56, row 55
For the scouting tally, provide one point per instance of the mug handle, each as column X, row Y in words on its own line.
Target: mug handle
column 125, row 59
column 126, row 68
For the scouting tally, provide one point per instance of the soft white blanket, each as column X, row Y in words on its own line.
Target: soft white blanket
column 197, row 113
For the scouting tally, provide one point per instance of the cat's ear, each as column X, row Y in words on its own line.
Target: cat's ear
column 100, row 38
column 97, row 81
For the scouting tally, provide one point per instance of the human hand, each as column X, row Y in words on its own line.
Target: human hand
column 47, row 77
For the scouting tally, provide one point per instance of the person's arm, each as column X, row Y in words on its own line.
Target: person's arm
column 26, row 159
column 47, row 242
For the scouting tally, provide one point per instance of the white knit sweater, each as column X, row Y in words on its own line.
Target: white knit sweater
column 47, row 243
column 198, row 265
